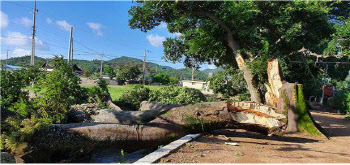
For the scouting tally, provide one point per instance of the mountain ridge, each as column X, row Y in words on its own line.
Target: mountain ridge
column 95, row 65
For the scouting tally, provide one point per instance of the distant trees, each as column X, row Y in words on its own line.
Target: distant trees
column 128, row 72
column 110, row 72
column 174, row 80
column 161, row 78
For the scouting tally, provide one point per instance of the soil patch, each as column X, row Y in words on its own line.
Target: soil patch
column 257, row 148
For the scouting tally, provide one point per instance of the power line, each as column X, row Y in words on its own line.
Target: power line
column 18, row 4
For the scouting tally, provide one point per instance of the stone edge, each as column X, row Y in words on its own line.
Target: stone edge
column 158, row 154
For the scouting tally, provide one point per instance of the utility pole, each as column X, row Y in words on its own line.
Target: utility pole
column 7, row 56
column 101, row 63
column 70, row 48
column 33, row 37
column 144, row 67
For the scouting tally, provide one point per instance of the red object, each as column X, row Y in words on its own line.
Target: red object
column 328, row 90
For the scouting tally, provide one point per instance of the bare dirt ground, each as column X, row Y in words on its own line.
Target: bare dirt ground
column 257, row 148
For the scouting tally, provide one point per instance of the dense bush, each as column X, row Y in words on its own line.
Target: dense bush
column 10, row 89
column 177, row 95
column 174, row 80
column 131, row 99
column 57, row 89
column 99, row 94
column 341, row 100
column 162, row 78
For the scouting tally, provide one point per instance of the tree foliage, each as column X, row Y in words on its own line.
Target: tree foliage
column 260, row 30
column 162, row 78
column 110, row 72
column 128, row 72
column 229, row 83
column 272, row 28
column 177, row 95
column 57, row 90
column 10, row 90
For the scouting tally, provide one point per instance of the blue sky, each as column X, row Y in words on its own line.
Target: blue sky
column 98, row 27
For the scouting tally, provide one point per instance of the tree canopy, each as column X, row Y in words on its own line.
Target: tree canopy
column 238, row 34
column 271, row 28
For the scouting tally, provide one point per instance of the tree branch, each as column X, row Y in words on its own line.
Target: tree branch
column 233, row 45
column 309, row 53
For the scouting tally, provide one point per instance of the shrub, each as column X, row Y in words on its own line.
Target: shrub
column 57, row 89
column 99, row 94
column 131, row 99
column 174, row 80
column 177, row 95
column 341, row 100
column 10, row 90
column 162, row 78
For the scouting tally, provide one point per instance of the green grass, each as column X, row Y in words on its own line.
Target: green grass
column 117, row 91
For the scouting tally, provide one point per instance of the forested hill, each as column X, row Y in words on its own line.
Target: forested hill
column 94, row 66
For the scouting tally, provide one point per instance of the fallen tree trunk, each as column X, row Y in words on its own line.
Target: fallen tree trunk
column 288, row 113
column 69, row 141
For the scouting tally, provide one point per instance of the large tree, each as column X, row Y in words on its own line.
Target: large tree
column 234, row 33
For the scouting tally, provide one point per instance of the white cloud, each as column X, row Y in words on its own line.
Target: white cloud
column 48, row 20
column 211, row 66
column 24, row 21
column 16, row 39
column 162, row 25
column 22, row 41
column 155, row 40
column 64, row 25
column 176, row 34
column 18, row 52
column 96, row 28
column 4, row 20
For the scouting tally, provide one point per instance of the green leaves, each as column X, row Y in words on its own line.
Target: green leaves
column 177, row 95
column 128, row 72
column 229, row 83
column 162, row 78
column 131, row 99
column 110, row 71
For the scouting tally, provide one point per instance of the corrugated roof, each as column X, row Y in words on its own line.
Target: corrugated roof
column 12, row 67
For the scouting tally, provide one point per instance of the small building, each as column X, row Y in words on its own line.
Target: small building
column 200, row 85
column 78, row 69
column 47, row 67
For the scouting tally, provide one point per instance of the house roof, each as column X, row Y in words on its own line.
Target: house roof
column 77, row 68
column 12, row 67
column 47, row 66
